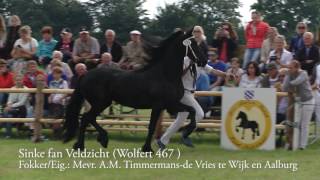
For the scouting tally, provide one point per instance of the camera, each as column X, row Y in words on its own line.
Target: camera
column 273, row 58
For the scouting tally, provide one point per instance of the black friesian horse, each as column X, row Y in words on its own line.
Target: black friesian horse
column 158, row 86
column 246, row 124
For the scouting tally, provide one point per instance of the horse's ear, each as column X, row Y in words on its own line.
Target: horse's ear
column 189, row 32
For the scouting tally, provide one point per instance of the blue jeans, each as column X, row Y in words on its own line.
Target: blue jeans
column 251, row 54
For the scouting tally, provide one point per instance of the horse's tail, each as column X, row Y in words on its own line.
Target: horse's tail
column 71, row 123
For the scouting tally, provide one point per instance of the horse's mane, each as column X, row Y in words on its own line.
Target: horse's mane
column 155, row 47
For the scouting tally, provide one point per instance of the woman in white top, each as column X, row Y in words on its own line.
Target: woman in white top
column 252, row 78
column 280, row 55
column 23, row 49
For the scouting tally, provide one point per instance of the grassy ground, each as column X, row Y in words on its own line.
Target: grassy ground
column 207, row 149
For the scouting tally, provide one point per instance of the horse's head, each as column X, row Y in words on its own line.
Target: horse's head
column 193, row 51
column 241, row 115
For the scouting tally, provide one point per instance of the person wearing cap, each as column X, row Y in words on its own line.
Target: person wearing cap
column 214, row 62
column 112, row 46
column 86, row 50
column 46, row 46
column 65, row 44
column 134, row 56
column 271, row 78
column 6, row 80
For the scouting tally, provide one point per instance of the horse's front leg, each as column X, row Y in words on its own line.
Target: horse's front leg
column 155, row 113
column 243, row 131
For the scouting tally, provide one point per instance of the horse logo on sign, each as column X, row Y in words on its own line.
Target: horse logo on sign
column 248, row 122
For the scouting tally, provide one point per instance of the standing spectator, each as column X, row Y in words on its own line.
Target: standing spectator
column 134, row 56
column 308, row 56
column 255, row 33
column 80, row 70
column 14, row 24
column 65, row 45
column 111, row 46
column 6, row 80
column 200, row 38
column 3, row 35
column 106, row 61
column 214, row 62
column 297, row 82
column 268, row 44
column 225, row 42
column 280, row 55
column 16, row 105
column 23, row 49
column 86, row 50
column 297, row 41
column 252, row 78
column 46, row 46
column 234, row 74
column 317, row 95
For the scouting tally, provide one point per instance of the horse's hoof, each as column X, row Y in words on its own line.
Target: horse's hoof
column 103, row 140
column 77, row 146
column 147, row 149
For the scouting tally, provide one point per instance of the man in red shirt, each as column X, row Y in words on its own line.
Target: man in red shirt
column 255, row 33
column 6, row 80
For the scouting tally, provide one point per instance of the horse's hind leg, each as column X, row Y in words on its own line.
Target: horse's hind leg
column 83, row 124
column 155, row 113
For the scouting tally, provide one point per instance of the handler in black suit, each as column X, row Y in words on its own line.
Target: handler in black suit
column 308, row 56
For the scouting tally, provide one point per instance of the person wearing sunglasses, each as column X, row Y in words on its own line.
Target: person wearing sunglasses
column 297, row 40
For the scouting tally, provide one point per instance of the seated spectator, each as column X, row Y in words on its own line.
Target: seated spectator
column 16, row 104
column 14, row 24
column 6, row 81
column 3, row 36
column 225, row 42
column 86, row 50
column 216, row 81
column 134, row 56
column 23, row 49
column 65, row 45
column 111, row 46
column 46, row 46
column 234, row 74
column 252, row 78
column 57, row 57
column 53, row 64
column 80, row 70
column 268, row 44
column 203, row 84
column 280, row 56
column 271, row 78
column 308, row 56
column 297, row 41
column 106, row 61
column 30, row 76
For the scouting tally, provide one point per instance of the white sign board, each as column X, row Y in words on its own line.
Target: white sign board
column 248, row 118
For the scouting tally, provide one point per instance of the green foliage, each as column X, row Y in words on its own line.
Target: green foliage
column 56, row 13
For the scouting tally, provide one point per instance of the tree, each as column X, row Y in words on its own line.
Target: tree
column 121, row 16
column 285, row 14
column 206, row 13
column 56, row 13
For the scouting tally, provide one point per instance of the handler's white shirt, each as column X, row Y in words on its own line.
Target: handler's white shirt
column 188, row 79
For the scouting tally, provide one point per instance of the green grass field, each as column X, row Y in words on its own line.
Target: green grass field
column 207, row 149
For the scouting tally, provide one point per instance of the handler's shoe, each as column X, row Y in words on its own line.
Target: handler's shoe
column 187, row 141
column 161, row 145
